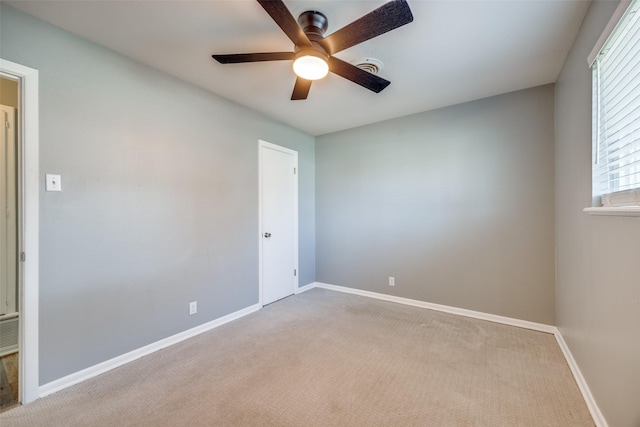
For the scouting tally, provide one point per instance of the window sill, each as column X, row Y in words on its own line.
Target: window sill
column 617, row 211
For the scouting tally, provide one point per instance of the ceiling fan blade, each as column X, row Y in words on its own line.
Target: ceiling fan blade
column 356, row 75
column 387, row 17
column 237, row 58
column 279, row 13
column 301, row 89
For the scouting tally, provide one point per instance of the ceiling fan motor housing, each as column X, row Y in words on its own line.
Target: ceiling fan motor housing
column 314, row 24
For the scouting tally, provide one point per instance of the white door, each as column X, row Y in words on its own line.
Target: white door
column 8, row 213
column 278, row 222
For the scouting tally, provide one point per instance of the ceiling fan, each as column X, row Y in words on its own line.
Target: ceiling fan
column 313, row 53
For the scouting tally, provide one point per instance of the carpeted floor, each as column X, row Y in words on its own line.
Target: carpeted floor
column 325, row 358
column 8, row 381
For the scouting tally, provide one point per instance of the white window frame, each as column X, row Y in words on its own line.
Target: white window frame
column 607, row 197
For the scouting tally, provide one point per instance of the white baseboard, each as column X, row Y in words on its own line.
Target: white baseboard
column 597, row 416
column 305, row 288
column 444, row 308
column 100, row 368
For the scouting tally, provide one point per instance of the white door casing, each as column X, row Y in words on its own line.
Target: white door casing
column 278, row 220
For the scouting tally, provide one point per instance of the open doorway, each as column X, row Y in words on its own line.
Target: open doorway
column 9, row 284
column 27, row 217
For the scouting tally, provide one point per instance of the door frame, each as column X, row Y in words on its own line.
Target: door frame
column 261, row 145
column 28, row 227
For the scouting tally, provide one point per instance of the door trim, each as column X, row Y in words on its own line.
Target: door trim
column 264, row 144
column 28, row 177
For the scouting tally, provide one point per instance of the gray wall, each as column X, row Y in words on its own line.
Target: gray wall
column 456, row 204
column 159, row 203
column 598, row 269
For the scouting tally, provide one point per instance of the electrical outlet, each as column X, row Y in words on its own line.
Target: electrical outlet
column 392, row 281
column 193, row 308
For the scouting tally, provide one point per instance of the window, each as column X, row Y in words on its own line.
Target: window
column 616, row 112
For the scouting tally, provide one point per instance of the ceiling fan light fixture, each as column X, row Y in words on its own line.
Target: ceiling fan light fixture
column 310, row 65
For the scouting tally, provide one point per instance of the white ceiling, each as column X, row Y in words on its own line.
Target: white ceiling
column 453, row 51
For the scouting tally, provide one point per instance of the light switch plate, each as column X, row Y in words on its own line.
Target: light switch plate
column 54, row 182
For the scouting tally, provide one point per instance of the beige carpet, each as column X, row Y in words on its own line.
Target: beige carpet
column 325, row 358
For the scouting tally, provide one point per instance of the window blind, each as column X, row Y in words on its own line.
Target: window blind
column 616, row 112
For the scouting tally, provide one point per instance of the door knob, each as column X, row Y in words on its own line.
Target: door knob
column 267, row 235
